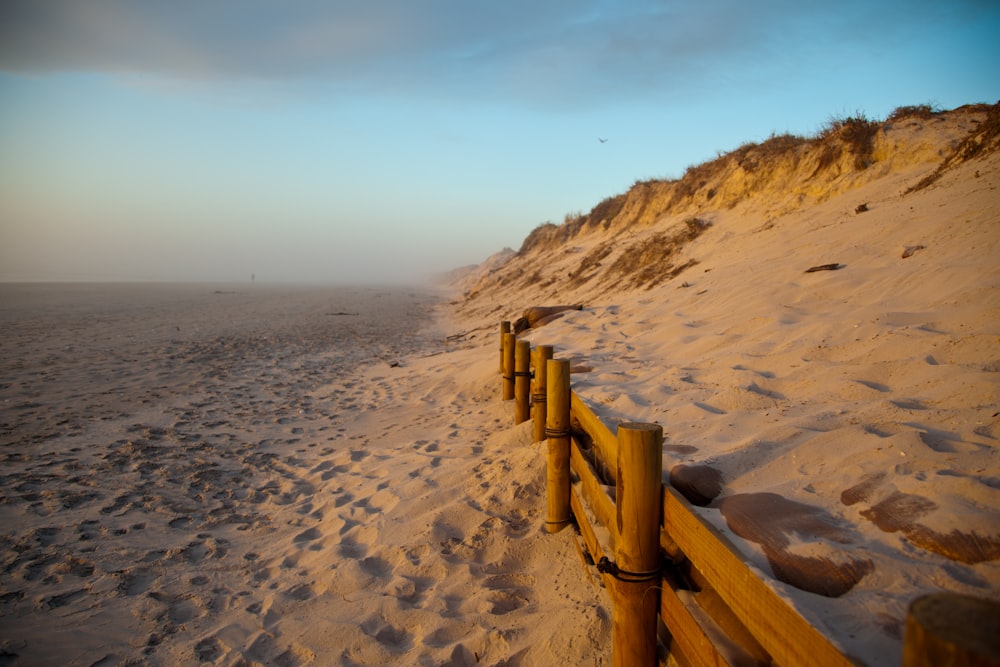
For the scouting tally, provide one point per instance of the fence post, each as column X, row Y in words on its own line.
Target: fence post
column 637, row 552
column 557, row 433
column 952, row 629
column 522, row 381
column 538, row 398
column 504, row 329
column 508, row 366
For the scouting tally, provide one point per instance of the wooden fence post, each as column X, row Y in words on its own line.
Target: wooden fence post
column 522, row 381
column 637, row 576
column 538, row 398
column 558, row 433
column 504, row 329
column 509, row 341
column 952, row 629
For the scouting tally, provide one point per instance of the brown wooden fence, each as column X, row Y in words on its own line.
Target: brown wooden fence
column 661, row 561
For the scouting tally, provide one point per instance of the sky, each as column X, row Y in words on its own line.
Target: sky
column 380, row 141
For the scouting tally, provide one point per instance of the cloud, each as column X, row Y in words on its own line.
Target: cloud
column 573, row 50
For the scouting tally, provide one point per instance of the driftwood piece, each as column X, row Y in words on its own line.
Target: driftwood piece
column 532, row 318
column 825, row 267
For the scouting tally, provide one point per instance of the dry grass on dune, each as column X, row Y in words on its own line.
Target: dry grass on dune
column 633, row 240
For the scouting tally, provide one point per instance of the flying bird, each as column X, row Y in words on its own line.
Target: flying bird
column 603, row 141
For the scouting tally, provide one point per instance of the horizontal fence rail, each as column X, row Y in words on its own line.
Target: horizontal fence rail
column 659, row 559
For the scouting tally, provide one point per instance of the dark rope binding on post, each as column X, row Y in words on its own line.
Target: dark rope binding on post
column 556, row 432
column 608, row 566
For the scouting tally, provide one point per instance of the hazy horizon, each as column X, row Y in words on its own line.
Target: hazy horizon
column 329, row 142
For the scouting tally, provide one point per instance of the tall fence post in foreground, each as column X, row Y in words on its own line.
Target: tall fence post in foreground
column 522, row 381
column 538, row 395
column 952, row 629
column 508, row 366
column 504, row 329
column 557, row 431
column 637, row 552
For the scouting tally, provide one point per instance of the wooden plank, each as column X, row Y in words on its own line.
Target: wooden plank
column 722, row 616
column 600, row 503
column 605, row 441
column 695, row 642
column 784, row 634
column 586, row 530
column 589, row 536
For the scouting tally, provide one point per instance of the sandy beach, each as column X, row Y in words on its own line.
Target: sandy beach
column 241, row 475
column 262, row 476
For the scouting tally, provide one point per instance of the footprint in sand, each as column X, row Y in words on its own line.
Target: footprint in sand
column 77, row 567
column 63, row 599
column 185, row 609
column 351, row 550
column 308, row 536
column 376, row 567
column 411, row 590
column 46, row 536
column 508, row 593
column 300, row 592
column 392, row 638
column 208, row 650
column 380, row 502
column 503, row 602
column 343, row 499
column 136, row 581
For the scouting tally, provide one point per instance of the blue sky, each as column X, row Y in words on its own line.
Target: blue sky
column 379, row 141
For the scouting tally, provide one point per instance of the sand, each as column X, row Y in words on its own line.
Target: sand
column 268, row 476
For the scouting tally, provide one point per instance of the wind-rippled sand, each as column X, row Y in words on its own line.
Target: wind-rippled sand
column 263, row 475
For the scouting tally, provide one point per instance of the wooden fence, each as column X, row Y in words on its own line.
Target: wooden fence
column 660, row 561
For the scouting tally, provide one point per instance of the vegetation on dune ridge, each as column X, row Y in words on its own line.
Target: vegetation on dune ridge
column 985, row 138
column 630, row 247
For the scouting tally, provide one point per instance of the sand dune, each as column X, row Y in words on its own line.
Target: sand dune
column 841, row 425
